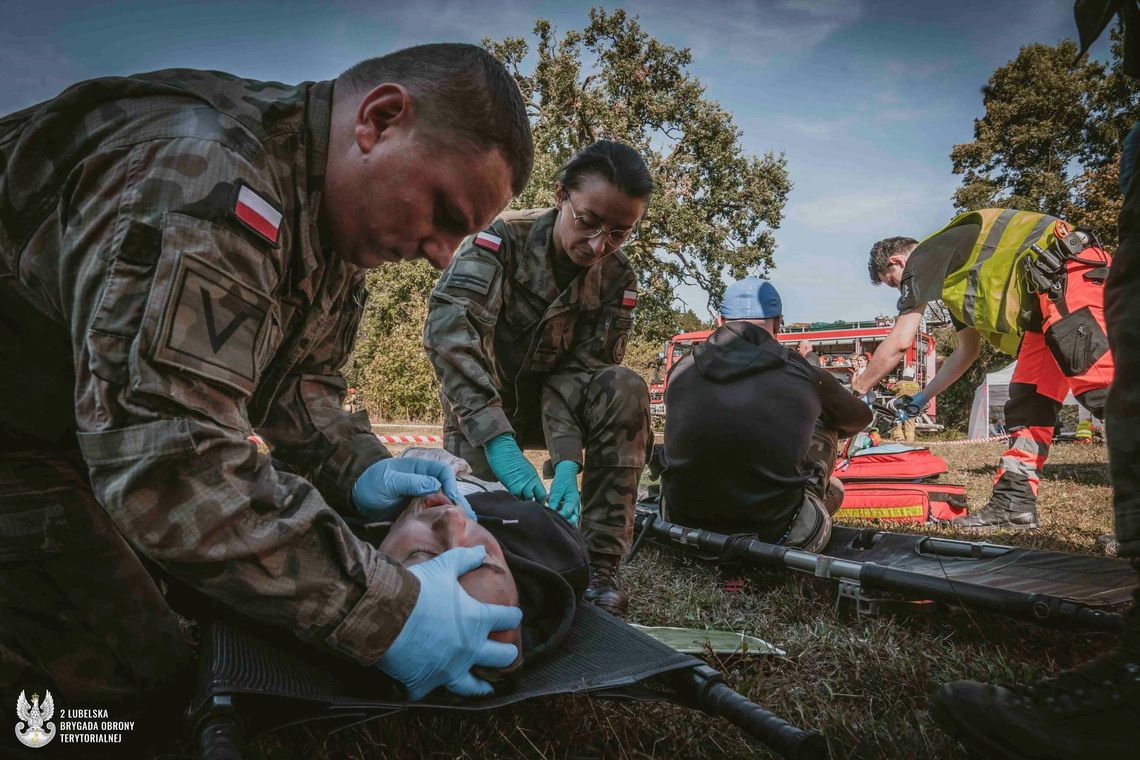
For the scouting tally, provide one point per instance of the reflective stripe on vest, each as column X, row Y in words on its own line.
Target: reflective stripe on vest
column 987, row 292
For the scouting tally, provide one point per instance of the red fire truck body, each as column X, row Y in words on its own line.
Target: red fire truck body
column 836, row 341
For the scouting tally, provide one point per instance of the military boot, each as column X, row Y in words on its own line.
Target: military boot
column 1001, row 512
column 1092, row 711
column 605, row 586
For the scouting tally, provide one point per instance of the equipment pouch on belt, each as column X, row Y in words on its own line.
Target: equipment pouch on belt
column 1076, row 341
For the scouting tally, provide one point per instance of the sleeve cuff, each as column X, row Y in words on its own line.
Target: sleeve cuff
column 568, row 449
column 480, row 427
column 379, row 615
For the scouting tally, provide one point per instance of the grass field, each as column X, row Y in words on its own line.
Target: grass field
column 864, row 683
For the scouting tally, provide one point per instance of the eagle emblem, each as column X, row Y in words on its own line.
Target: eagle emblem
column 30, row 728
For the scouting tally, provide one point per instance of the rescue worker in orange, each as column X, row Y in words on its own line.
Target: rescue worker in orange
column 1033, row 287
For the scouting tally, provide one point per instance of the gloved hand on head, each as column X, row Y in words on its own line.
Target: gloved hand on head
column 384, row 489
column 513, row 469
column 564, row 497
column 447, row 632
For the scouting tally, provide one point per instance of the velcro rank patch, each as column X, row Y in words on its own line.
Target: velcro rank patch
column 212, row 325
column 472, row 274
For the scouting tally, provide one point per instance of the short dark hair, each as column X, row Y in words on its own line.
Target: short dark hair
column 881, row 253
column 462, row 92
column 614, row 162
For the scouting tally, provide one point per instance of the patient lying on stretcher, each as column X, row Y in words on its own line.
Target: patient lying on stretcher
column 535, row 559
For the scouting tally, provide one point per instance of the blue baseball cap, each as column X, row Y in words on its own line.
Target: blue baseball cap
column 751, row 298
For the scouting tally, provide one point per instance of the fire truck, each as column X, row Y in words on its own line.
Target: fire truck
column 834, row 342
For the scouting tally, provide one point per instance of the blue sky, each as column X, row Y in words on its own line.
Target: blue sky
column 865, row 98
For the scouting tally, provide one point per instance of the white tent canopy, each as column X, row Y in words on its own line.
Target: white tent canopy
column 991, row 395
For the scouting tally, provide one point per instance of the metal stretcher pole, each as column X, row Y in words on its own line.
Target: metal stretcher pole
column 1034, row 607
column 708, row 691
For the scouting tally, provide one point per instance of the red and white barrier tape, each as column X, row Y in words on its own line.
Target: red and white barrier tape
column 255, row 438
column 410, row 438
column 961, row 441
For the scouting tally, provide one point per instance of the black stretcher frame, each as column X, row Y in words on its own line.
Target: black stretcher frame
column 855, row 576
column 252, row 681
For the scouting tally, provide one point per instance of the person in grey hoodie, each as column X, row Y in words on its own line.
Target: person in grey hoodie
column 752, row 430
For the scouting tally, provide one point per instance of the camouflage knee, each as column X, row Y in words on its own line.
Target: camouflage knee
column 617, row 419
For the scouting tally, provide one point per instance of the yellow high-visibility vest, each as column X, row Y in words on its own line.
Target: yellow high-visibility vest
column 988, row 291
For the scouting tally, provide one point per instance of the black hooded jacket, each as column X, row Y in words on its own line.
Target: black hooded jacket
column 741, row 410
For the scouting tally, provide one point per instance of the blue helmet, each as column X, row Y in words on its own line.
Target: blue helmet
column 751, row 298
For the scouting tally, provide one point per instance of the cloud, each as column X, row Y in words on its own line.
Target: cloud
column 749, row 31
column 844, row 211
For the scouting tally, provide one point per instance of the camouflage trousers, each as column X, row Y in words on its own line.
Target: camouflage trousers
column 611, row 410
column 79, row 612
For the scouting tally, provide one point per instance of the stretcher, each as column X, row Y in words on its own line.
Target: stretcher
column 872, row 566
column 252, row 681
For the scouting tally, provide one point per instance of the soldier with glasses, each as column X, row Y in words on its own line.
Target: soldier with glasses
column 527, row 329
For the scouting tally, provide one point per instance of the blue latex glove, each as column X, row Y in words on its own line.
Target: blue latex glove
column 514, row 470
column 383, row 490
column 909, row 406
column 564, row 498
column 446, row 634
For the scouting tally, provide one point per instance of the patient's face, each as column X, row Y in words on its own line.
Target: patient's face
column 430, row 526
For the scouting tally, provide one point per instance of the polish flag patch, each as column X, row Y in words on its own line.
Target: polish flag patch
column 256, row 213
column 629, row 299
column 488, row 241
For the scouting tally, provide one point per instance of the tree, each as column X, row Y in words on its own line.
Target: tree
column 388, row 364
column 1050, row 137
column 715, row 207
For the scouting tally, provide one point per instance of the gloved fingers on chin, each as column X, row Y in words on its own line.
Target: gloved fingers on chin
column 468, row 685
column 496, row 654
column 406, row 484
column 460, row 500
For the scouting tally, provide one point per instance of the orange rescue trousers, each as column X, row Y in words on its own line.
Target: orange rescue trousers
column 1069, row 352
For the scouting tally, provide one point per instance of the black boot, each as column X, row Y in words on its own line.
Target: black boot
column 1000, row 512
column 1092, row 711
column 605, row 586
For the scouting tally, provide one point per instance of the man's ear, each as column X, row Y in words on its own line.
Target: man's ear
column 559, row 191
column 384, row 107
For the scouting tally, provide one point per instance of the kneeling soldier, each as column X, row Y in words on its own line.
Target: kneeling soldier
column 527, row 329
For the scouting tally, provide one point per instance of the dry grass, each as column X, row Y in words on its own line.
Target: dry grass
column 864, row 683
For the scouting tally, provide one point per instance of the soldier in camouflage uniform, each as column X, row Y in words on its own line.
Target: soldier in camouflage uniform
column 181, row 263
column 527, row 329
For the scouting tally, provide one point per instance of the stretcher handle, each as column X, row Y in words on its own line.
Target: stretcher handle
column 219, row 734
column 712, row 695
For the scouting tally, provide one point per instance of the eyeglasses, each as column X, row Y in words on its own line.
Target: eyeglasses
column 614, row 238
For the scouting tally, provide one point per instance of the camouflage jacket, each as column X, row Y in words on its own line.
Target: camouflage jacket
column 167, row 223
column 504, row 341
